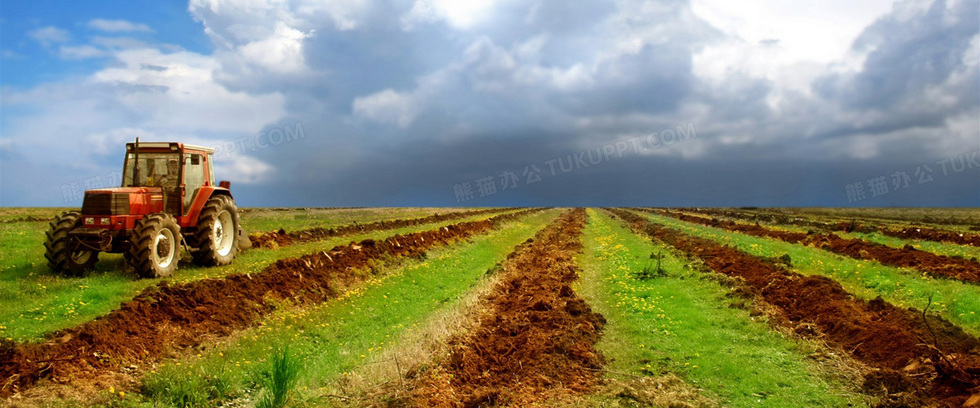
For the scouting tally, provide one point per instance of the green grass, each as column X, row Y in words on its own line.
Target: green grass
column 267, row 219
column 681, row 323
column 938, row 248
column 337, row 337
column 956, row 301
column 281, row 380
column 18, row 214
column 954, row 219
column 34, row 301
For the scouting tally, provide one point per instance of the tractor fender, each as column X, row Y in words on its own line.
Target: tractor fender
column 205, row 194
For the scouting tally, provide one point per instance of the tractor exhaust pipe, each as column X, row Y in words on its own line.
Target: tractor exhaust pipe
column 136, row 165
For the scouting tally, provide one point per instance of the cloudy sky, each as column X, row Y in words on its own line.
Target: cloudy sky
column 503, row 102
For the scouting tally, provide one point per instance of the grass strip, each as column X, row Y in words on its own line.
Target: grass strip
column 908, row 257
column 784, row 224
column 267, row 219
column 938, row 248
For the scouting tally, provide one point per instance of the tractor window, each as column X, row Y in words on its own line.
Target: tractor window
column 156, row 170
column 194, row 175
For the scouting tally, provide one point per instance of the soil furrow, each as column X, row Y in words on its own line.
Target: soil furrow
column 966, row 270
column 930, row 234
column 280, row 238
column 910, row 232
column 166, row 318
column 922, row 359
column 534, row 339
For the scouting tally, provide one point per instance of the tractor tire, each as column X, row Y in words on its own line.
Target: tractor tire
column 217, row 235
column 58, row 249
column 155, row 249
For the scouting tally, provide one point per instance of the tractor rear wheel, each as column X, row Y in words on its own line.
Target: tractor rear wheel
column 217, row 233
column 63, row 255
column 155, row 249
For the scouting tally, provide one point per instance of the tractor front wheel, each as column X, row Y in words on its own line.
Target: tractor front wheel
column 217, row 233
column 155, row 249
column 65, row 256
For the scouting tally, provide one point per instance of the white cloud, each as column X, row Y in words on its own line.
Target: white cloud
column 281, row 52
column 231, row 23
column 49, row 35
column 788, row 43
column 11, row 55
column 110, row 141
column 118, row 42
column 496, row 69
column 344, row 15
column 243, row 169
column 458, row 14
column 262, row 41
column 145, row 93
column 388, row 106
column 185, row 95
column 811, row 31
column 115, row 26
column 81, row 52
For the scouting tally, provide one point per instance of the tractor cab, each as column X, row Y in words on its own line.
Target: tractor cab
column 175, row 172
column 158, row 177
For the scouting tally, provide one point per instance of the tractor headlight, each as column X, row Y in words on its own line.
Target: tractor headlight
column 104, row 221
column 89, row 220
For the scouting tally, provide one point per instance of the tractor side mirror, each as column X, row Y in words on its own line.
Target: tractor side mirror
column 224, row 184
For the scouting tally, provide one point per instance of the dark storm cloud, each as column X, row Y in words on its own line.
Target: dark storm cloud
column 741, row 98
column 426, row 178
column 481, row 119
column 656, row 79
column 908, row 56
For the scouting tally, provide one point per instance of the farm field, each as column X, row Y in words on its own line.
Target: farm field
column 494, row 307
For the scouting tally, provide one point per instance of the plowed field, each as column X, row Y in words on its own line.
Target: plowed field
column 508, row 307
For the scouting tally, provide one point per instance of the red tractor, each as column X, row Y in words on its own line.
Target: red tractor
column 168, row 198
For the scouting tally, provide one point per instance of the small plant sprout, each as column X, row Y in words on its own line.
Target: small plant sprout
column 282, row 379
column 652, row 270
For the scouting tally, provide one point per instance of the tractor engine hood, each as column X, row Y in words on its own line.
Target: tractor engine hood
column 123, row 201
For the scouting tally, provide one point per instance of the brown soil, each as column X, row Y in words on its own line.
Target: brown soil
column 939, row 359
column 535, row 339
column 769, row 217
column 967, row 270
column 276, row 239
column 934, row 235
column 911, row 232
column 166, row 318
